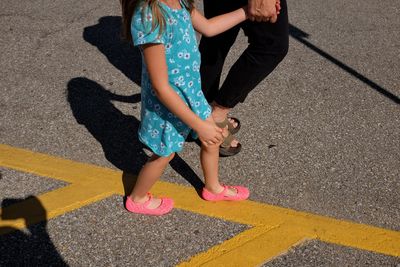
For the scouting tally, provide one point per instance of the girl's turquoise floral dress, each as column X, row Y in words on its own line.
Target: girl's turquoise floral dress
column 160, row 129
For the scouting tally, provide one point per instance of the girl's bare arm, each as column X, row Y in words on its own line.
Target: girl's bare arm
column 218, row 24
column 154, row 56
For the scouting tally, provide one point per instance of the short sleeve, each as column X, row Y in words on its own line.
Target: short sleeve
column 141, row 27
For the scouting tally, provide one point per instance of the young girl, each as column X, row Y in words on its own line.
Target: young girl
column 172, row 100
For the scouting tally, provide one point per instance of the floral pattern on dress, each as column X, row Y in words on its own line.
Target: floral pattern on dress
column 161, row 130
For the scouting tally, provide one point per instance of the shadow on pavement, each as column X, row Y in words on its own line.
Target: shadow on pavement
column 33, row 246
column 107, row 38
column 117, row 133
column 301, row 36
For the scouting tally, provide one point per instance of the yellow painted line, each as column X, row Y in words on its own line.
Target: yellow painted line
column 55, row 203
column 250, row 248
column 324, row 228
column 275, row 229
column 355, row 235
column 46, row 165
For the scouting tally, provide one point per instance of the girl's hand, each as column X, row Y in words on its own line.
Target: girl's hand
column 209, row 133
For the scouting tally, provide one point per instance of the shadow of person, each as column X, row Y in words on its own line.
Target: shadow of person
column 302, row 37
column 33, row 248
column 116, row 132
column 106, row 36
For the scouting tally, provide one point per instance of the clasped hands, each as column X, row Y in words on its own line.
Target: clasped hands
column 263, row 10
column 210, row 134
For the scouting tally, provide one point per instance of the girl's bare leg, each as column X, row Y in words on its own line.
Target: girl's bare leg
column 209, row 158
column 148, row 176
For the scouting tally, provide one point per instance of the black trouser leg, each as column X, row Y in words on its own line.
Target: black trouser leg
column 215, row 49
column 213, row 53
column 268, row 45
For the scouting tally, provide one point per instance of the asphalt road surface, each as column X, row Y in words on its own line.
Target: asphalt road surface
column 320, row 135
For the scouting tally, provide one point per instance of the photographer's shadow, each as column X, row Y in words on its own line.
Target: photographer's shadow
column 32, row 247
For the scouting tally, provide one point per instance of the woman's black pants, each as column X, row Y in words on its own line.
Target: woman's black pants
column 267, row 46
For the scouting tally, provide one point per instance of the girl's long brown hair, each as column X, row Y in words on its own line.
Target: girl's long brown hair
column 129, row 6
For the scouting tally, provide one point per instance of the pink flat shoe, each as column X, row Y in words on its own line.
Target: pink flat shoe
column 242, row 194
column 166, row 206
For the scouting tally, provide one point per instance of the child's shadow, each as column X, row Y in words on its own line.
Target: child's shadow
column 33, row 247
column 116, row 132
column 106, row 36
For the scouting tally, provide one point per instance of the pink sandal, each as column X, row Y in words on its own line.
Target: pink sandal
column 242, row 194
column 166, row 206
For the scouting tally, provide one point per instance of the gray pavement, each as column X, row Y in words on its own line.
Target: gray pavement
column 321, row 134
column 18, row 185
column 316, row 253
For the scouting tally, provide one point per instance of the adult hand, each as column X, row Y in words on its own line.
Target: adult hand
column 209, row 133
column 263, row 10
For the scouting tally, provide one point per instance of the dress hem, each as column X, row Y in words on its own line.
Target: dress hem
column 156, row 152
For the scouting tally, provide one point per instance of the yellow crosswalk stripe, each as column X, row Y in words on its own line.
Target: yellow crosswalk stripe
column 249, row 248
column 272, row 228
